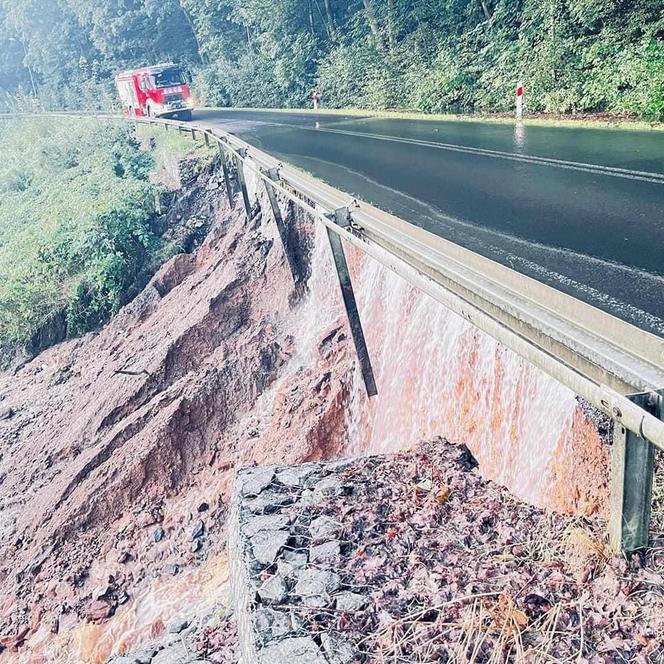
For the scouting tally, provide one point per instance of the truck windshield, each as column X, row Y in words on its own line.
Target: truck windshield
column 167, row 77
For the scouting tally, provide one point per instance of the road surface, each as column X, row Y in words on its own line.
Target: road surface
column 577, row 208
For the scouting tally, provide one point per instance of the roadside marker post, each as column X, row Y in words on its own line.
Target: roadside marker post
column 519, row 101
column 315, row 98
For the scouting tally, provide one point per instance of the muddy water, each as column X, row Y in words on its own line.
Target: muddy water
column 439, row 376
column 196, row 590
column 436, row 376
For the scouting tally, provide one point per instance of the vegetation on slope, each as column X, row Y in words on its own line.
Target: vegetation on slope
column 428, row 55
column 76, row 212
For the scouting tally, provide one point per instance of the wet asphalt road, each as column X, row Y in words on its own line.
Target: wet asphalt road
column 580, row 209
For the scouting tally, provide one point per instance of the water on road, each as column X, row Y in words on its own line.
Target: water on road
column 580, row 209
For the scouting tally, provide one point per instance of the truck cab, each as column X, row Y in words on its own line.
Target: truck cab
column 160, row 91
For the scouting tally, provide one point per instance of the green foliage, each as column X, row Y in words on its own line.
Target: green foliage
column 76, row 208
column 431, row 55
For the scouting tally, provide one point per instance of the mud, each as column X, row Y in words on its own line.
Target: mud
column 117, row 450
column 119, row 445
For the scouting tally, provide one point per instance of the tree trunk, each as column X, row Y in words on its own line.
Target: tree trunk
column 332, row 26
column 486, row 10
column 391, row 36
column 192, row 27
column 373, row 24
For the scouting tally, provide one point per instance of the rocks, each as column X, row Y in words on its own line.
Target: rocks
column 256, row 524
column 329, row 487
column 271, row 624
column 323, row 528
column 177, row 625
column 268, row 501
column 13, row 641
column 267, row 544
column 295, row 476
column 273, row 591
column 278, row 525
column 99, row 610
column 336, row 650
column 290, row 562
column 254, row 480
column 145, row 655
column 101, row 591
column 198, row 530
column 324, row 551
column 6, row 413
column 299, row 650
column 158, row 534
column 314, row 586
column 178, row 653
column 348, row 601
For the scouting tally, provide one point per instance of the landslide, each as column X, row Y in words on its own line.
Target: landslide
column 114, row 446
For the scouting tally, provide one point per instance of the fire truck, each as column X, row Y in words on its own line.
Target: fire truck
column 159, row 91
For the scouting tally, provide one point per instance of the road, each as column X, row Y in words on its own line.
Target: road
column 580, row 209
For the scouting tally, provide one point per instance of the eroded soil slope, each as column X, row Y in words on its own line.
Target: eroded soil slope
column 115, row 449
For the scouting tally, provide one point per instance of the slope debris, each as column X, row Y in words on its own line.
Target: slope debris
column 116, row 449
column 416, row 558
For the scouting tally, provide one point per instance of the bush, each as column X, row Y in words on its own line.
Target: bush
column 76, row 208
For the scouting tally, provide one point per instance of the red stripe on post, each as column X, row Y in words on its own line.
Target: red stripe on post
column 519, row 91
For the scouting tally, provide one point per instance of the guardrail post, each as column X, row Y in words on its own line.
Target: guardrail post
column 273, row 174
column 241, row 154
column 632, row 468
column 207, row 138
column 342, row 218
column 227, row 176
column 193, row 134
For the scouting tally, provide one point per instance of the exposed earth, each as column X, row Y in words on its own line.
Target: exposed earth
column 117, row 448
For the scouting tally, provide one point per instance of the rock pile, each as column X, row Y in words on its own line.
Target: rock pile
column 285, row 558
column 416, row 558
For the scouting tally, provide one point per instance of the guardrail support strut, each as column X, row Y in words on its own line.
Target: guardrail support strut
column 227, row 176
column 350, row 302
column 632, row 469
column 273, row 174
column 242, row 153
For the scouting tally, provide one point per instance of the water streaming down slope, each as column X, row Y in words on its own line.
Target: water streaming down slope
column 437, row 375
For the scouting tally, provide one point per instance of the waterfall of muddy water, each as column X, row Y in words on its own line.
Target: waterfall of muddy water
column 437, row 375
column 196, row 589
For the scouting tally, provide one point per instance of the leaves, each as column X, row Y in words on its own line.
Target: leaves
column 455, row 565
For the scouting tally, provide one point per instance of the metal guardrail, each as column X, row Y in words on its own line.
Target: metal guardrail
column 613, row 365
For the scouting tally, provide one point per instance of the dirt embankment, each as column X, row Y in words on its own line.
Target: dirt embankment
column 115, row 449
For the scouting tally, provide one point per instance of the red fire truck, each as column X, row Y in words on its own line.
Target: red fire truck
column 158, row 91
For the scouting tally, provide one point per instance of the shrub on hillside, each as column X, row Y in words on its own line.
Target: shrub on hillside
column 76, row 209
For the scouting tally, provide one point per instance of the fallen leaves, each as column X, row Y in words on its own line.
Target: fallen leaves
column 458, row 570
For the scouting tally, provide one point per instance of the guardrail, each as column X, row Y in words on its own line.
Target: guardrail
column 615, row 366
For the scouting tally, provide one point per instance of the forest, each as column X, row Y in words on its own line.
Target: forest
column 574, row 56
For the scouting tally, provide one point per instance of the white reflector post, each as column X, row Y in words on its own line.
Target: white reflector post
column 519, row 100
